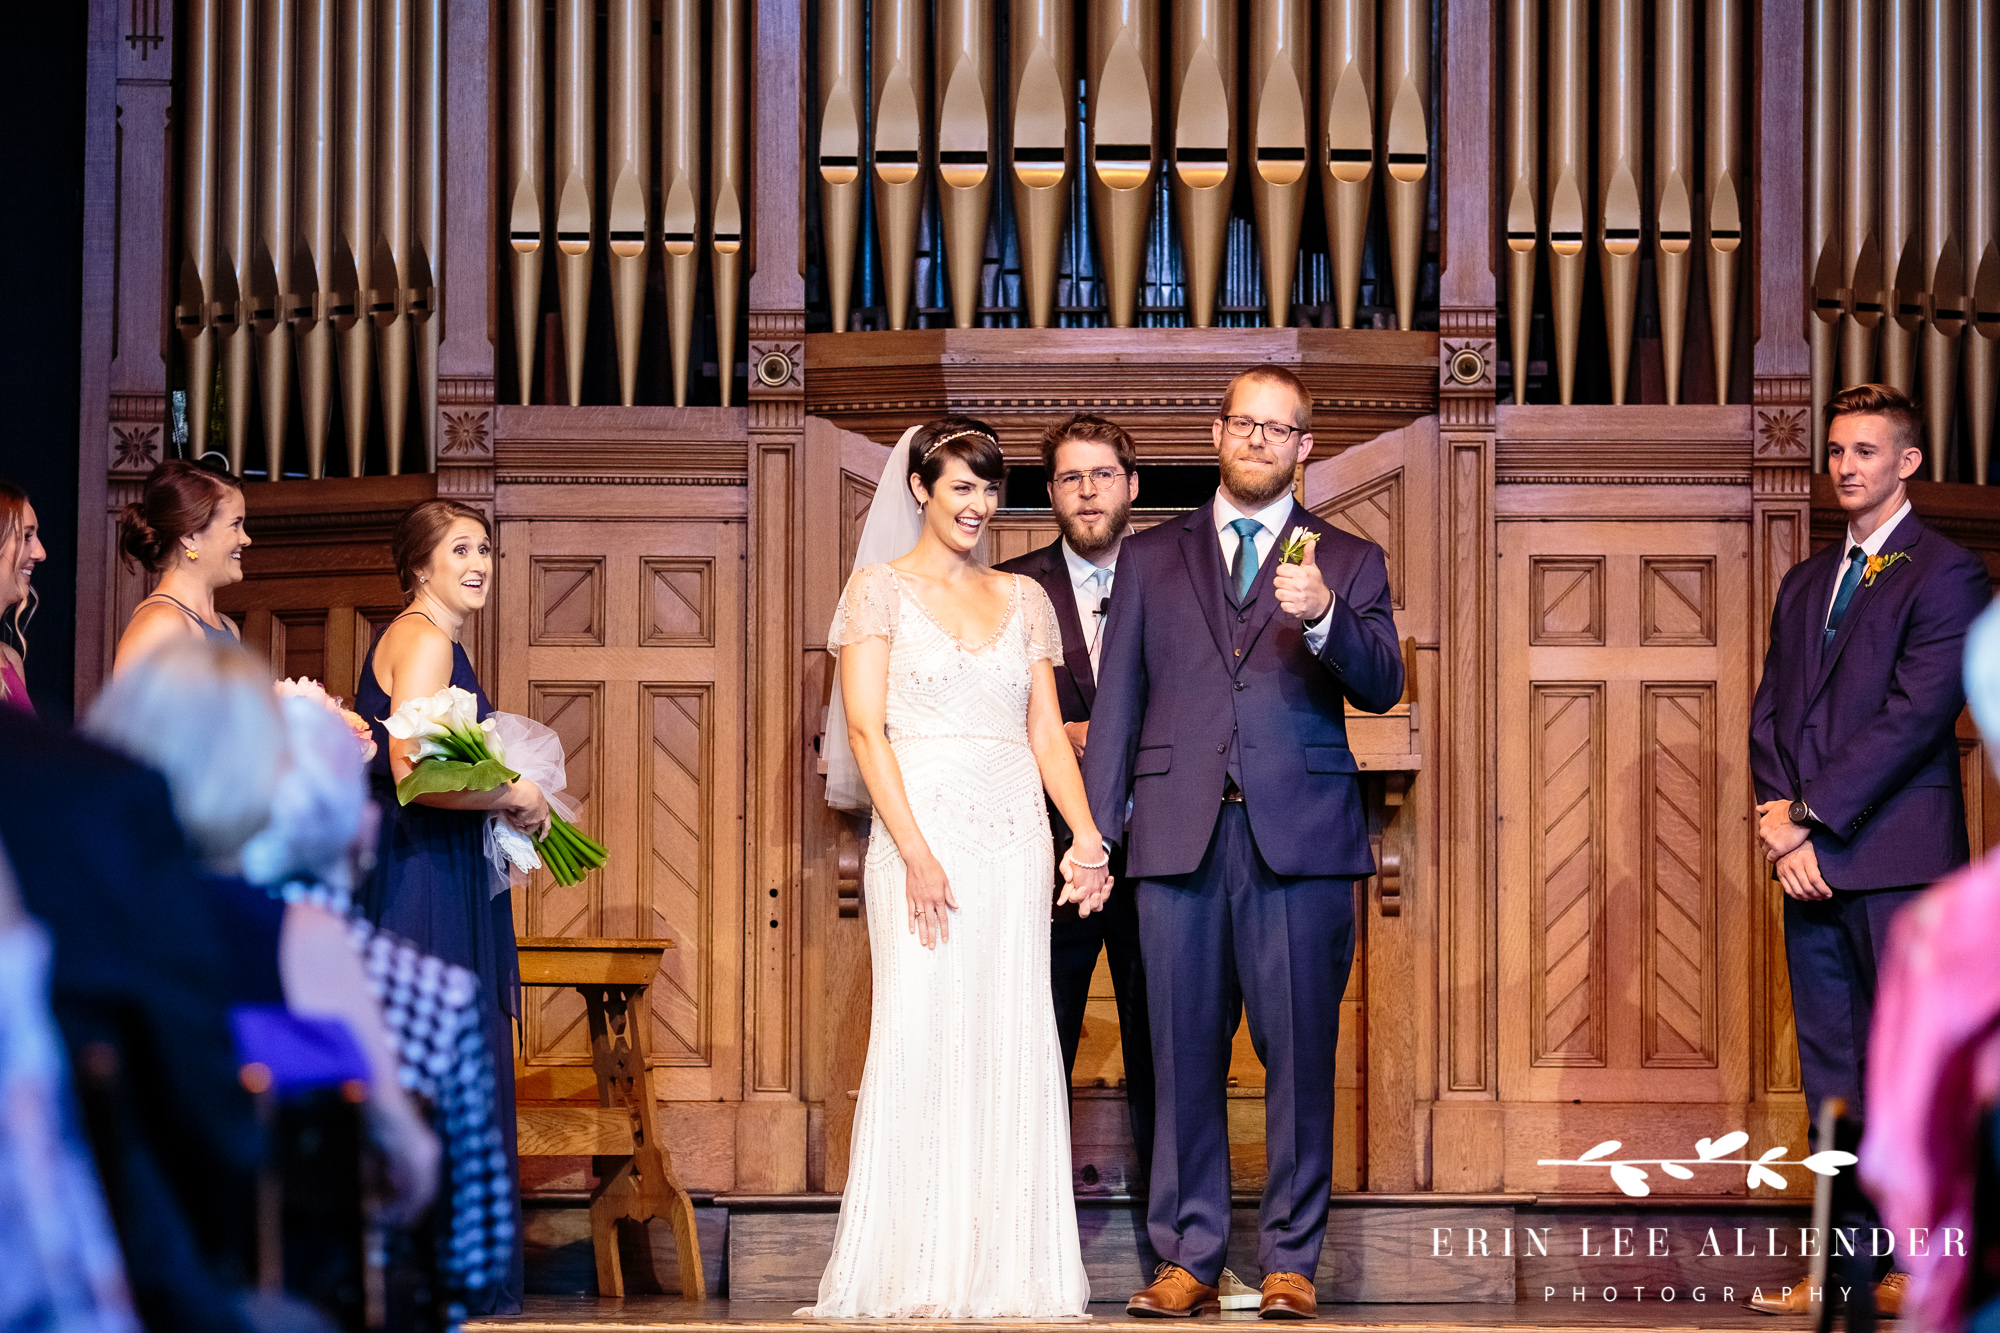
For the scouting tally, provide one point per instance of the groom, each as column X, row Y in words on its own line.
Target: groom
column 1221, row 716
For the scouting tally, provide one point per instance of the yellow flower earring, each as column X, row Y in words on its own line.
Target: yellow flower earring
column 191, row 553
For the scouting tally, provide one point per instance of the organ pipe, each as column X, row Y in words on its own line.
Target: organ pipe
column 1982, row 225
column 1943, row 265
column 357, row 217
column 1566, row 177
column 628, row 157
column 680, row 177
column 1280, row 65
column 1043, row 68
column 425, row 252
column 840, row 74
column 237, row 197
column 323, row 273
column 276, row 88
column 965, row 145
column 1347, row 96
column 1673, row 175
column 1902, row 258
column 1523, row 93
column 1204, row 119
column 199, row 286
column 1723, row 122
column 898, row 57
column 395, row 164
column 1823, row 219
column 1124, row 141
column 726, row 188
column 1618, row 167
column 526, row 220
column 1861, row 245
column 576, row 175
column 1406, row 80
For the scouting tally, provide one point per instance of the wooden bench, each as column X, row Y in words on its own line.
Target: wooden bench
column 636, row 1180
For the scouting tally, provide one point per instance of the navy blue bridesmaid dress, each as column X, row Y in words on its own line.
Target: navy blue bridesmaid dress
column 432, row 885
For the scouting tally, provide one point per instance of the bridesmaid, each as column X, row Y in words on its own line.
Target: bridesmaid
column 432, row 883
column 187, row 527
column 20, row 551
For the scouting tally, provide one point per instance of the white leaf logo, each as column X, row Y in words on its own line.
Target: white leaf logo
column 1763, row 1175
column 1676, row 1170
column 1828, row 1163
column 1630, row 1179
column 1710, row 1149
column 1608, row 1146
column 1772, row 1153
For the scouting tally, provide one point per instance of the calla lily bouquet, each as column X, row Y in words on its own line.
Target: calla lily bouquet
column 456, row 751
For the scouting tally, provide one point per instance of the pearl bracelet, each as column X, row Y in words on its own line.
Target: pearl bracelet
column 1089, row 865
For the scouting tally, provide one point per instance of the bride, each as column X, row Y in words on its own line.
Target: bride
column 958, row 1201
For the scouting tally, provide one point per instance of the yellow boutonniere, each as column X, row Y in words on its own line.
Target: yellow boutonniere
column 1879, row 564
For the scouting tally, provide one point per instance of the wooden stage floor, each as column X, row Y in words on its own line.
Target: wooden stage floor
column 565, row 1314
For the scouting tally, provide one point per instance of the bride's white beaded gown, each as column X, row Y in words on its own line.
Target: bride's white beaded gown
column 958, row 1200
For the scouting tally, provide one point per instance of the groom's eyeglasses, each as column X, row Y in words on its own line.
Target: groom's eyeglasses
column 1069, row 483
column 1275, row 432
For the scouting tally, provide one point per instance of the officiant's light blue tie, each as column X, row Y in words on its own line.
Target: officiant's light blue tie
column 1243, row 569
column 1849, row 581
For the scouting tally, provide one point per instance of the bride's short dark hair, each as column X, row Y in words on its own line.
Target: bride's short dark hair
column 967, row 439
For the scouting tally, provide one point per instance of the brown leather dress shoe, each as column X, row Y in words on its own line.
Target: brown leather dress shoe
column 1798, row 1300
column 1889, row 1294
column 1288, row 1296
column 1175, row 1294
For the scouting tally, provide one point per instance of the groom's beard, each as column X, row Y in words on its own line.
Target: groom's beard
column 1256, row 486
column 1087, row 537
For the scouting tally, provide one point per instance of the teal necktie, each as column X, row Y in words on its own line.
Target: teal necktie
column 1856, row 558
column 1243, row 569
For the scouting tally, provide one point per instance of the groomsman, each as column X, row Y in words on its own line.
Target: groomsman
column 1227, row 670
column 1093, row 472
column 1852, row 746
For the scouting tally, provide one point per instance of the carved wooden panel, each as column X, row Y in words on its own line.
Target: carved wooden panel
column 676, row 783
column 1677, row 867
column 574, row 710
column 566, row 606
column 1566, row 799
column 1374, row 511
column 1677, row 601
column 855, row 497
column 1566, row 600
column 676, row 602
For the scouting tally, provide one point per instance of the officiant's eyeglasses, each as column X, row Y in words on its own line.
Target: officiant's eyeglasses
column 1069, row 483
column 1275, row 432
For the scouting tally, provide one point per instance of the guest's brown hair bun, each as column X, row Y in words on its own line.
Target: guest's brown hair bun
column 180, row 500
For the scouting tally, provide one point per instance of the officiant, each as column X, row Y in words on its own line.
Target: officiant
column 1093, row 478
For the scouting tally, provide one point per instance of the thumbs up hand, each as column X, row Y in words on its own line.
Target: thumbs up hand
column 1301, row 591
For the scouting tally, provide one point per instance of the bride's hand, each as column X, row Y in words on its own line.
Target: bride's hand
column 928, row 893
column 1086, row 886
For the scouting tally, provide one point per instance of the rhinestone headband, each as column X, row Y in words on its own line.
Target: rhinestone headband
column 942, row 441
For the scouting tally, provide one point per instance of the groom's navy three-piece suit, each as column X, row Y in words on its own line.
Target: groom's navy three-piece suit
column 1228, row 734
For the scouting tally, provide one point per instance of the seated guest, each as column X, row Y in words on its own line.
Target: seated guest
column 187, row 527
column 204, row 716
column 20, row 551
column 137, row 987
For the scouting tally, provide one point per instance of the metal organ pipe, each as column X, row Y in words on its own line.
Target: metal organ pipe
column 395, row 164
column 839, row 147
column 274, row 306
column 1823, row 218
column 898, row 58
column 1523, row 111
column 1723, row 122
column 1347, row 101
column 197, row 287
column 1406, row 80
column 1123, row 141
column 629, row 159
column 965, row 145
column 357, row 216
column 1861, row 245
column 428, row 55
column 725, row 170
column 1204, row 119
column 1620, row 44
column 1043, row 67
column 526, row 220
column 680, row 177
column 1982, row 225
column 576, row 175
column 237, row 171
column 1902, row 258
column 1566, row 175
column 1673, row 176
column 1943, row 276
column 1280, row 66
column 322, row 274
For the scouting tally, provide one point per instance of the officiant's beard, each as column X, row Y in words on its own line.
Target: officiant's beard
column 1255, row 487
column 1088, row 539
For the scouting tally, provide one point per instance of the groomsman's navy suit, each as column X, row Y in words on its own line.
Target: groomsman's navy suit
column 1243, row 904
column 1861, row 727
column 1074, row 940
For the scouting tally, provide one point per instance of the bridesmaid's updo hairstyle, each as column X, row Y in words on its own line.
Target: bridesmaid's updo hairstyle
column 419, row 533
column 180, row 500
column 967, row 439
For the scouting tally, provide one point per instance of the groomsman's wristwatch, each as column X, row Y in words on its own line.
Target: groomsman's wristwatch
column 1802, row 815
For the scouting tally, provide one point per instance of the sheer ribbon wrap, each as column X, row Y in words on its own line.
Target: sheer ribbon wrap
column 536, row 753
column 894, row 523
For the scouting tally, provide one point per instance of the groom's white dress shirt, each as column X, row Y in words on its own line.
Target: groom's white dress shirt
column 1271, row 520
column 1872, row 547
column 1090, row 584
